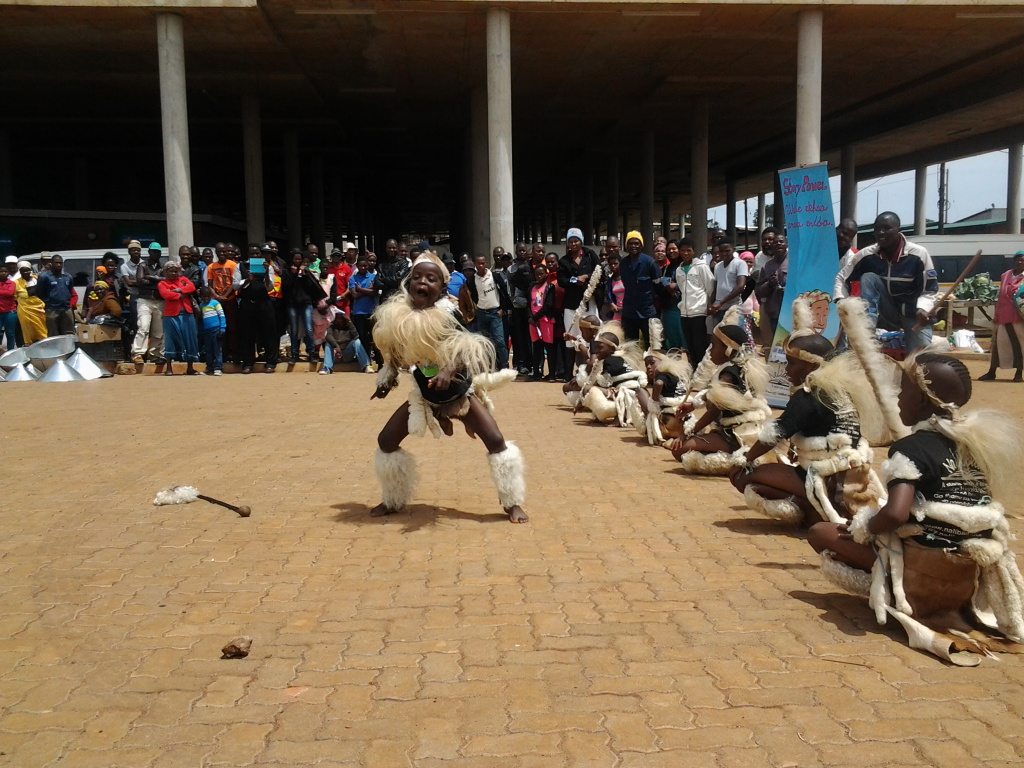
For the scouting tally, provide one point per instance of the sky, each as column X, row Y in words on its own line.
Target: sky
column 975, row 183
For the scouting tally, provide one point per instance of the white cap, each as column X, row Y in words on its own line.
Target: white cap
column 349, row 247
column 11, row 260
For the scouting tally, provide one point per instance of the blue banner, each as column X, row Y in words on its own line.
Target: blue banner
column 813, row 260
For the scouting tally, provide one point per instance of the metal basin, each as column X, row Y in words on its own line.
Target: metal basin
column 45, row 353
column 88, row 368
column 20, row 373
column 61, row 371
column 13, row 357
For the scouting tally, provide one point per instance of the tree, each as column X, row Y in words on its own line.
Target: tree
column 769, row 216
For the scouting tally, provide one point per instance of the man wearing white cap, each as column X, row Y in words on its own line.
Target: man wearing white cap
column 574, row 272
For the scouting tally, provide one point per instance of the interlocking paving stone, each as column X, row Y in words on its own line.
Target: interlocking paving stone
column 643, row 618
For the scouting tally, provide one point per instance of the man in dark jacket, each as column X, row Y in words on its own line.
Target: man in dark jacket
column 391, row 270
column 575, row 270
column 520, row 276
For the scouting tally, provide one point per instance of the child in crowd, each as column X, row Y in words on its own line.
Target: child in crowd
column 542, row 324
column 341, row 342
column 323, row 316
column 214, row 325
column 362, row 293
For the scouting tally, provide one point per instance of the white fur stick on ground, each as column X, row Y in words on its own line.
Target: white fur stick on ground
column 186, row 494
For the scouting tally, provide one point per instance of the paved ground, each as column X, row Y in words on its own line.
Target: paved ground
column 642, row 619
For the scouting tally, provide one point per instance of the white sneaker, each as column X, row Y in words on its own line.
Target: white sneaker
column 218, row 373
column 369, row 369
column 325, row 371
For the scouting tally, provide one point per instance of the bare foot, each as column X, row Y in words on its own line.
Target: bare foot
column 380, row 510
column 516, row 515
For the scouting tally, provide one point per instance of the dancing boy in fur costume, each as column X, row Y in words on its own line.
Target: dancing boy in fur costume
column 669, row 374
column 936, row 556
column 734, row 403
column 450, row 369
column 610, row 392
column 822, row 420
column 584, row 349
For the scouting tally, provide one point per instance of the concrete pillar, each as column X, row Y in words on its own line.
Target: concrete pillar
column 1013, row 191
column 625, row 225
column 730, row 209
column 699, row 173
column 252, row 148
column 778, row 207
column 570, row 208
column 318, row 224
column 499, row 124
column 848, row 184
column 293, row 190
column 6, row 180
column 613, row 198
column 761, row 223
column 170, row 44
column 920, row 200
column 589, row 231
column 647, row 191
column 808, row 86
column 666, row 216
column 480, row 206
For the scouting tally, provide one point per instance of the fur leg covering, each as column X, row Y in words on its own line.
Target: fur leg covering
column 853, row 580
column 777, row 509
column 508, row 471
column 573, row 397
column 654, row 435
column 697, row 463
column 396, row 473
column 599, row 404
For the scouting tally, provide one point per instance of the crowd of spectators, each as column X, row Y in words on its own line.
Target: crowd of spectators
column 223, row 305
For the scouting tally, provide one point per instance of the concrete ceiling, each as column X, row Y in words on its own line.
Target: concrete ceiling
column 380, row 89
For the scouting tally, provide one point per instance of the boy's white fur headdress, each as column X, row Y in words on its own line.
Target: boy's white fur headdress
column 803, row 325
column 431, row 257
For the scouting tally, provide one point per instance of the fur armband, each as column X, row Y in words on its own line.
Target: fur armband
column 769, row 434
column 859, row 525
column 899, row 467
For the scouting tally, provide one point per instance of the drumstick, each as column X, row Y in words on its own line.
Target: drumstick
column 243, row 510
column 963, row 276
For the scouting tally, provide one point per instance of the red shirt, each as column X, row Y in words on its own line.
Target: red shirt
column 174, row 302
column 7, row 300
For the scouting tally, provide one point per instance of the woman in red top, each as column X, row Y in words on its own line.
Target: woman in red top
column 1008, row 330
column 8, row 309
column 179, row 327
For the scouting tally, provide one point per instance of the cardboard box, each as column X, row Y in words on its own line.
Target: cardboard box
column 94, row 334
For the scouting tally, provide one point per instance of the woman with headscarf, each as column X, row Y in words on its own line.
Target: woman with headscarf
column 31, row 310
column 179, row 327
column 101, row 300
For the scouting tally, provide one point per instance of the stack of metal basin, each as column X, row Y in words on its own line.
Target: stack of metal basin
column 21, row 373
column 12, row 358
column 88, row 368
column 43, row 354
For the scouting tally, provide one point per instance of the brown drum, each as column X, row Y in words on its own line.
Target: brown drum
column 939, row 585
